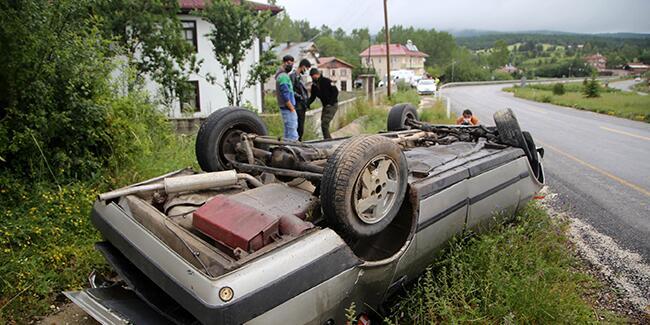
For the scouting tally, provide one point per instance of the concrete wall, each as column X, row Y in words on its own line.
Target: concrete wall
column 190, row 125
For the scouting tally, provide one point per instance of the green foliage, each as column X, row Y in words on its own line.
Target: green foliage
column 351, row 313
column 558, row 89
column 150, row 35
column 466, row 68
column 436, row 114
column 235, row 29
column 46, row 238
column 612, row 102
column 501, row 75
column 403, row 86
column 271, row 103
column 500, row 54
column 53, row 80
column 405, row 96
column 514, row 272
column 592, row 88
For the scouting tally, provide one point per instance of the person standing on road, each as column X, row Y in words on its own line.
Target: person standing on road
column 286, row 99
column 329, row 96
column 301, row 94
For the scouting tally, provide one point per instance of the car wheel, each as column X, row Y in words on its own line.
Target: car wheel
column 364, row 185
column 220, row 133
column 510, row 132
column 534, row 158
column 399, row 114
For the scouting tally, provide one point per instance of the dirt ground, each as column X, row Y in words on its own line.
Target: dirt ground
column 68, row 314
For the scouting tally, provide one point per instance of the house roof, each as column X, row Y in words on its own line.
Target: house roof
column 395, row 49
column 188, row 5
column 297, row 49
column 637, row 65
column 329, row 59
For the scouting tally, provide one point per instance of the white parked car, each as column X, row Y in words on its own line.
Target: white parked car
column 426, row 87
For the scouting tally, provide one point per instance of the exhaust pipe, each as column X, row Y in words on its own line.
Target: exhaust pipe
column 185, row 184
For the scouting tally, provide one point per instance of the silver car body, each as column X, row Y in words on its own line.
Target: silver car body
column 312, row 279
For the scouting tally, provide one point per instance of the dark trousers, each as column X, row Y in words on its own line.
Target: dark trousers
column 301, row 109
column 326, row 117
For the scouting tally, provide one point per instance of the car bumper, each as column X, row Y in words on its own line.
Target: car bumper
column 165, row 282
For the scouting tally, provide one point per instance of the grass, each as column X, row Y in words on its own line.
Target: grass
column 612, row 102
column 46, row 238
column 377, row 116
column 518, row 271
column 642, row 86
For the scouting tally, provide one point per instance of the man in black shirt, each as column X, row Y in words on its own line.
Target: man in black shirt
column 328, row 94
column 301, row 94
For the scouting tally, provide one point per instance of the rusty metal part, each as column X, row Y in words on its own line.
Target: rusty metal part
column 185, row 183
column 280, row 171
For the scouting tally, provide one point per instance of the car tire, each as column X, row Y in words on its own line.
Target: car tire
column 534, row 157
column 510, row 133
column 363, row 186
column 216, row 138
column 399, row 114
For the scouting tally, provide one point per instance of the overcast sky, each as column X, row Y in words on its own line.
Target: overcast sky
column 584, row 16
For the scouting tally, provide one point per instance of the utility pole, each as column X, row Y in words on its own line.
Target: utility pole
column 453, row 63
column 387, row 34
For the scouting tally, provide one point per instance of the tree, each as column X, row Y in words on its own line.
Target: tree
column 591, row 87
column 235, row 30
column 149, row 34
column 54, row 77
column 500, row 54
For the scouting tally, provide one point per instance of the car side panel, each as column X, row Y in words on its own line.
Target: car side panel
column 316, row 305
column 497, row 190
column 441, row 216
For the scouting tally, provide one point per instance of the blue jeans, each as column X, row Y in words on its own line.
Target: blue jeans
column 290, row 124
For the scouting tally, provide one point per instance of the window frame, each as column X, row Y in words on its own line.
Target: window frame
column 194, row 31
column 197, row 97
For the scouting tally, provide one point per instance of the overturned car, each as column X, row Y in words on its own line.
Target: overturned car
column 281, row 232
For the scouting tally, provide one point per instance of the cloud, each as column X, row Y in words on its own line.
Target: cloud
column 584, row 16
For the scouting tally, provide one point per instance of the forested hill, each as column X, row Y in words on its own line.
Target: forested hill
column 477, row 40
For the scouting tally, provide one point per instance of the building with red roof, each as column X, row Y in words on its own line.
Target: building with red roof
column 402, row 57
column 339, row 71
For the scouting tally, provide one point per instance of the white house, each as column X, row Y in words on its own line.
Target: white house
column 209, row 97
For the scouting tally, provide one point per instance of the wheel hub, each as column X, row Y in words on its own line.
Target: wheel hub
column 376, row 189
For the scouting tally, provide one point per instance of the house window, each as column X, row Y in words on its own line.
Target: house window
column 333, row 72
column 189, row 32
column 190, row 98
column 343, row 72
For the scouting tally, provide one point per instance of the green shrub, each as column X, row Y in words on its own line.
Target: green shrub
column 54, row 77
column 270, row 103
column 436, row 114
column 501, row 75
column 403, row 86
column 591, row 88
column 408, row 96
column 545, row 98
column 558, row 89
column 519, row 272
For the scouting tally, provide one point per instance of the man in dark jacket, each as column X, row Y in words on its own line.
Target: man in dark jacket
column 329, row 95
column 301, row 94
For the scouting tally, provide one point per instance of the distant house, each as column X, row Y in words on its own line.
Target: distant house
column 209, row 97
column 636, row 68
column 598, row 61
column 338, row 70
column 508, row 68
column 299, row 51
column 402, row 57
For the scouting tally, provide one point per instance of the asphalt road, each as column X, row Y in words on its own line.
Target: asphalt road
column 599, row 165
